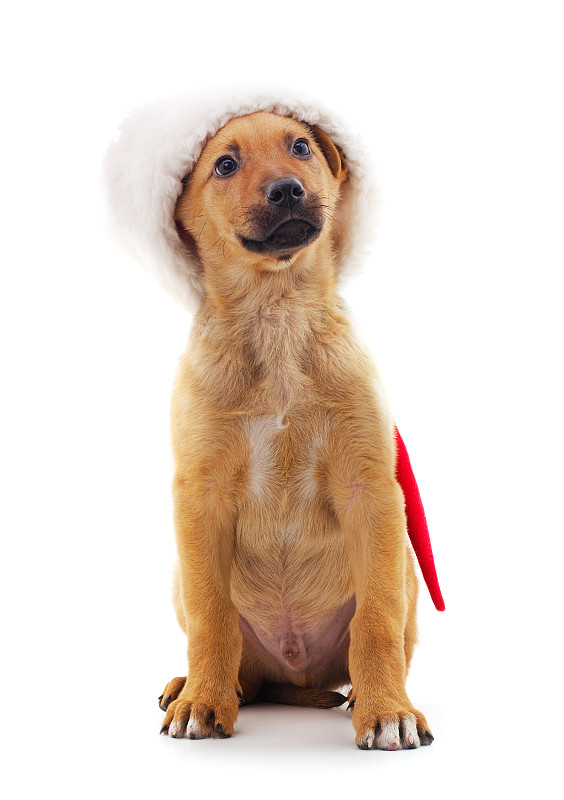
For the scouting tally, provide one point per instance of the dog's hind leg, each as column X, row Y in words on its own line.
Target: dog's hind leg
column 410, row 634
column 177, row 599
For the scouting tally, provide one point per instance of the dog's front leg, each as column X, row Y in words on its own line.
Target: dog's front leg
column 369, row 504
column 205, row 518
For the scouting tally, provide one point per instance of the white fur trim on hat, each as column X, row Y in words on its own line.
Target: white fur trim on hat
column 160, row 143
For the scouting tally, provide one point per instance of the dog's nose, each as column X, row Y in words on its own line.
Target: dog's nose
column 285, row 192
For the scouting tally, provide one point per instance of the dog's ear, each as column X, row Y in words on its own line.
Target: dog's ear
column 185, row 236
column 333, row 154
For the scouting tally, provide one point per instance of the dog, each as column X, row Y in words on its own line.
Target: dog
column 294, row 576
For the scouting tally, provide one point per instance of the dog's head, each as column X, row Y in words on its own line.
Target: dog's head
column 205, row 164
column 264, row 188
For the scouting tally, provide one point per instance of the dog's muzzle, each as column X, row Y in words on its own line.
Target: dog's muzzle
column 288, row 221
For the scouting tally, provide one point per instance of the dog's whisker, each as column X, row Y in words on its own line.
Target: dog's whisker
column 326, row 216
column 203, row 226
column 333, row 219
column 249, row 221
column 219, row 245
column 213, row 245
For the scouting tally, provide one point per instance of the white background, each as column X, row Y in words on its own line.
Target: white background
column 460, row 304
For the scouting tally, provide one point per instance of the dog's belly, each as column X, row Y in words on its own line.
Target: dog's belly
column 299, row 648
column 291, row 579
column 295, row 597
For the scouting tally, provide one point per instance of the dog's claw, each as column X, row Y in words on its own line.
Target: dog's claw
column 164, row 729
column 166, row 703
column 240, row 696
column 221, row 733
column 426, row 738
column 350, row 705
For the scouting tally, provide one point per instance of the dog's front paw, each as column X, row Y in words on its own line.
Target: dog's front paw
column 401, row 729
column 202, row 718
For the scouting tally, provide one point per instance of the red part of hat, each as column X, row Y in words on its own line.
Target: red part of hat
column 417, row 523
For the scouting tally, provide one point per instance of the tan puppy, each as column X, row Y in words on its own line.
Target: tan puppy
column 294, row 574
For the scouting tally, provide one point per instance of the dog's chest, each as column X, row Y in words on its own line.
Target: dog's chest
column 285, row 451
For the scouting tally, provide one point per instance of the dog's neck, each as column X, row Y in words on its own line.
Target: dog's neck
column 271, row 321
column 236, row 288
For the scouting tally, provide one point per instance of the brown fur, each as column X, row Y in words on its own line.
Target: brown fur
column 279, row 422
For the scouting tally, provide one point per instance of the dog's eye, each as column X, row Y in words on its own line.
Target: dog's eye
column 301, row 148
column 225, row 166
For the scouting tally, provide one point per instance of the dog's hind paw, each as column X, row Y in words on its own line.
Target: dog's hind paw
column 171, row 692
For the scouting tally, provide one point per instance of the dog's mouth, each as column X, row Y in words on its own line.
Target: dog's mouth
column 286, row 237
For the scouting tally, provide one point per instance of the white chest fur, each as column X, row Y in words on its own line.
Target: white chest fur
column 260, row 434
column 284, row 453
